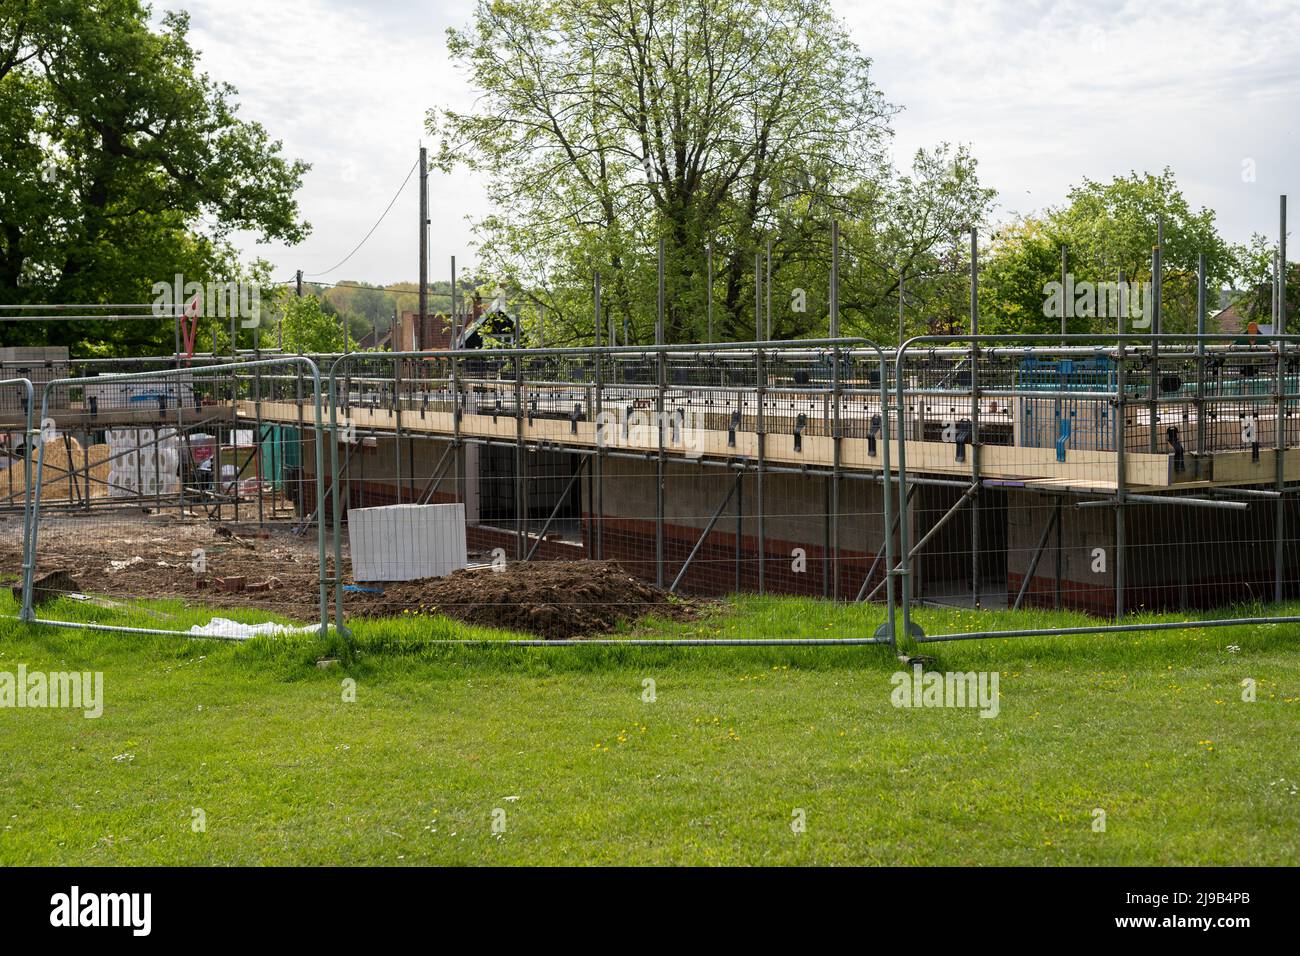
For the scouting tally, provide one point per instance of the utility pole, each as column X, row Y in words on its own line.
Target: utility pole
column 299, row 283
column 424, row 249
column 900, row 305
column 1065, row 252
column 709, row 286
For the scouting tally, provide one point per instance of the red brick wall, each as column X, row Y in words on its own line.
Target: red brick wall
column 1201, row 593
column 1093, row 598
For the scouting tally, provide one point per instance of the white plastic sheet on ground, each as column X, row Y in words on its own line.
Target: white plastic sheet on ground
column 233, row 630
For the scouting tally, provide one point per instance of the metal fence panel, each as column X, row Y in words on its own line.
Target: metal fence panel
column 160, row 493
column 17, row 400
column 662, row 458
column 1105, row 474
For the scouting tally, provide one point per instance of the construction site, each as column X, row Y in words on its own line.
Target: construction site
column 1108, row 474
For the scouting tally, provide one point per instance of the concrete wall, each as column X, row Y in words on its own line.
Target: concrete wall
column 943, row 568
column 1176, row 556
column 1202, row 557
column 1087, row 580
column 796, row 508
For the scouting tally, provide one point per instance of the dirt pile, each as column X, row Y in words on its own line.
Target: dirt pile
column 553, row 599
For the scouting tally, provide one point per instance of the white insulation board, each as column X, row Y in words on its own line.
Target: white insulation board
column 405, row 542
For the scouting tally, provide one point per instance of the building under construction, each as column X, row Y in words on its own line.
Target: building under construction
column 1107, row 475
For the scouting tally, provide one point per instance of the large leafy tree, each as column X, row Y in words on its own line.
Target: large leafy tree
column 912, row 235
column 608, row 126
column 1022, row 257
column 1256, row 275
column 1107, row 228
column 124, row 166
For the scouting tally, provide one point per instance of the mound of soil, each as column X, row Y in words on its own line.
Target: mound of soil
column 553, row 599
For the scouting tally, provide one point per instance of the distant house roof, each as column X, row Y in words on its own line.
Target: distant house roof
column 435, row 333
column 1230, row 320
column 376, row 339
column 1233, row 321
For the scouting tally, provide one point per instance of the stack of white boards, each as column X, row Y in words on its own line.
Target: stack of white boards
column 406, row 542
column 142, row 462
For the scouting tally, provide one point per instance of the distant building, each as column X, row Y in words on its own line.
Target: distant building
column 481, row 326
column 376, row 340
column 1230, row 320
column 434, row 334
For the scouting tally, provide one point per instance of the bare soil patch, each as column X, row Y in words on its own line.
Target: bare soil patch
column 121, row 556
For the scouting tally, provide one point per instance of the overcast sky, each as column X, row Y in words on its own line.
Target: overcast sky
column 1045, row 92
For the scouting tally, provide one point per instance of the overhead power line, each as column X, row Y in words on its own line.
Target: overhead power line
column 357, row 285
column 372, row 228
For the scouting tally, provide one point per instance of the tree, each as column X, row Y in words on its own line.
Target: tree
column 1256, row 274
column 607, row 126
column 124, row 166
column 1108, row 228
column 306, row 327
column 1022, row 258
column 914, row 232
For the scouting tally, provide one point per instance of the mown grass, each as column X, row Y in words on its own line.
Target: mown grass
column 562, row 745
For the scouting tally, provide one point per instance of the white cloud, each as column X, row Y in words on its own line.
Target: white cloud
column 346, row 87
column 1045, row 93
column 1049, row 92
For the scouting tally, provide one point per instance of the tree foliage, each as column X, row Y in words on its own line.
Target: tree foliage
column 306, row 327
column 124, row 166
column 1108, row 228
column 1256, row 277
column 607, row 126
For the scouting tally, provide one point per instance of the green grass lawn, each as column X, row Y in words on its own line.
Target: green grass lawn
column 559, row 744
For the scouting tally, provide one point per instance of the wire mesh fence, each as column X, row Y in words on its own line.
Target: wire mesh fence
column 17, row 401
column 566, row 493
column 1110, row 476
column 679, row 466
column 162, row 492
